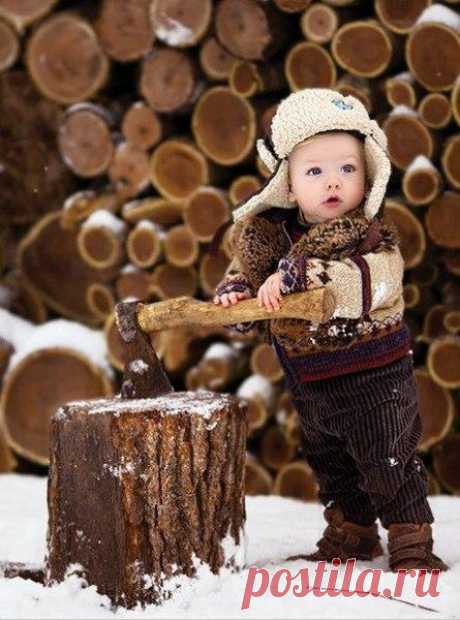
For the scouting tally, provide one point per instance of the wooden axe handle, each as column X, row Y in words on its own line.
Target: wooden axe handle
column 317, row 306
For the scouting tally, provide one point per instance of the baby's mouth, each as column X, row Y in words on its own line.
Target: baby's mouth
column 332, row 200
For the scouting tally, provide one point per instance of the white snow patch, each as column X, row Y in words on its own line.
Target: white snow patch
column 234, row 554
column 276, row 528
column 405, row 75
column 152, row 226
column 421, row 162
column 129, row 268
column 442, row 14
column 403, row 110
column 27, row 338
column 257, row 386
column 15, row 330
column 172, row 32
column 173, row 403
column 138, row 366
column 105, row 219
column 220, row 350
column 117, row 470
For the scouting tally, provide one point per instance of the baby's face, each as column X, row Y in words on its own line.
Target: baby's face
column 327, row 165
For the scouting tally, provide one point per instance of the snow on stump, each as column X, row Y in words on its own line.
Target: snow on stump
column 146, row 486
column 143, row 490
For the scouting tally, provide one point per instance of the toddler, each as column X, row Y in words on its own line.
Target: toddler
column 317, row 222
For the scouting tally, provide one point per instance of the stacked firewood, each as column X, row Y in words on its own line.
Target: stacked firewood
column 127, row 137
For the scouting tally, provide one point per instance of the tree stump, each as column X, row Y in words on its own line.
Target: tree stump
column 145, row 487
column 141, row 491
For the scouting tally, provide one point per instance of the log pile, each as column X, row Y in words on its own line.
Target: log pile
column 127, row 134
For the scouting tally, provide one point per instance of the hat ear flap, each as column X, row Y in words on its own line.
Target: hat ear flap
column 379, row 171
column 265, row 155
column 273, row 193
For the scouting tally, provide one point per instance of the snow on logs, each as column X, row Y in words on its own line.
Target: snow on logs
column 49, row 363
column 438, row 30
column 153, row 151
column 101, row 240
column 421, row 182
column 181, row 24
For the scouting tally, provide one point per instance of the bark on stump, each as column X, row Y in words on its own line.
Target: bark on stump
column 140, row 491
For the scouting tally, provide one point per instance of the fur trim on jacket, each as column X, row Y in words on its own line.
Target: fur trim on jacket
column 327, row 254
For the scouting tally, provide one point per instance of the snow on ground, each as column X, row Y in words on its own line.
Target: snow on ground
column 275, row 528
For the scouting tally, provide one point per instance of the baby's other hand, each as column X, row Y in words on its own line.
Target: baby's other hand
column 227, row 299
column 269, row 294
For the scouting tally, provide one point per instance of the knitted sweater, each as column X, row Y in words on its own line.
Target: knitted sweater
column 364, row 271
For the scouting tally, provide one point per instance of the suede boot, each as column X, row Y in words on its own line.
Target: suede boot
column 345, row 540
column 411, row 546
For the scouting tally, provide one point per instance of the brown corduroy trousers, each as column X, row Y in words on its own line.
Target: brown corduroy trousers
column 360, row 433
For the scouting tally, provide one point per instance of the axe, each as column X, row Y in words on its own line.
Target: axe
column 144, row 375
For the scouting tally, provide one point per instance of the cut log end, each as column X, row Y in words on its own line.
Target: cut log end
column 296, row 480
column 211, row 134
column 65, row 60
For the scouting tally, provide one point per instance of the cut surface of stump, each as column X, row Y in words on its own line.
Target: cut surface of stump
column 146, row 489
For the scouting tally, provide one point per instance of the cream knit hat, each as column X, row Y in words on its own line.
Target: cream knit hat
column 300, row 116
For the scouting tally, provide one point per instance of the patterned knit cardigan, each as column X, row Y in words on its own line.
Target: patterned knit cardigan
column 360, row 263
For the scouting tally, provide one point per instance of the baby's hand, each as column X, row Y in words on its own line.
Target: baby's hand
column 269, row 294
column 227, row 299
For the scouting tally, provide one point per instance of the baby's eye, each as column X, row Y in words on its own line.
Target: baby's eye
column 315, row 168
column 349, row 165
